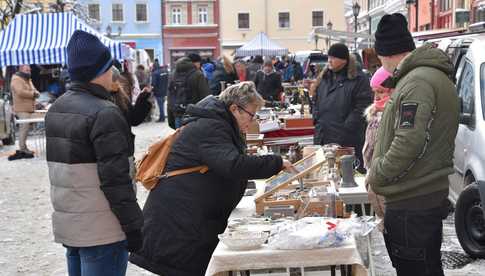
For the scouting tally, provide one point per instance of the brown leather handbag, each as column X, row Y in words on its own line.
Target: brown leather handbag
column 150, row 169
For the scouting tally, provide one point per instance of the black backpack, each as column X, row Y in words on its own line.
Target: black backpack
column 179, row 92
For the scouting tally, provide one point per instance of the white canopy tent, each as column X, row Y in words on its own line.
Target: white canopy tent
column 261, row 45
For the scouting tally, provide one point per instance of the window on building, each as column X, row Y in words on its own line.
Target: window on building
column 243, row 20
column 93, row 11
column 203, row 15
column 284, row 20
column 445, row 5
column 117, row 12
column 176, row 16
column 317, row 18
column 479, row 15
column 141, row 12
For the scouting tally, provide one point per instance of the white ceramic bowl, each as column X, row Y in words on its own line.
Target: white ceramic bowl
column 243, row 240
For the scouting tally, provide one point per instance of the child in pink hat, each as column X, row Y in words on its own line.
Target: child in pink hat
column 374, row 115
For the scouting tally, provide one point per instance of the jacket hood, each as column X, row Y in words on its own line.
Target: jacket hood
column 209, row 107
column 426, row 56
column 352, row 72
column 184, row 65
column 209, row 67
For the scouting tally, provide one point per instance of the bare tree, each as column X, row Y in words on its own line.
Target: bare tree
column 73, row 6
column 11, row 8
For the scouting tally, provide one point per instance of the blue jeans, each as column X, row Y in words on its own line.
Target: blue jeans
column 160, row 103
column 178, row 121
column 102, row 260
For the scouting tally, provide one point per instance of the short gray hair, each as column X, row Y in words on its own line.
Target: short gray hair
column 242, row 94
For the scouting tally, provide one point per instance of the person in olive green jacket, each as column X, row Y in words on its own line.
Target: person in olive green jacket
column 414, row 152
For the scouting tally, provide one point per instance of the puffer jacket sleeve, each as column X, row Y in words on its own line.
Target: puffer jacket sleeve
column 410, row 139
column 219, row 153
column 203, row 89
column 140, row 110
column 361, row 99
column 111, row 149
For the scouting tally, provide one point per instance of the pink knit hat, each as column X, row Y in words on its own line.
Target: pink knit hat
column 379, row 77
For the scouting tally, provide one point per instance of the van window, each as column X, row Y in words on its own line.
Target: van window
column 465, row 88
column 482, row 88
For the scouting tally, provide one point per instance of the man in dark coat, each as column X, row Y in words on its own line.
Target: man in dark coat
column 196, row 86
column 268, row 82
column 160, row 86
column 253, row 68
column 342, row 94
column 185, row 213
column 96, row 215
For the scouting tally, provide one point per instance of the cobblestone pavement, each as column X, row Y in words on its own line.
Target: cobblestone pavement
column 26, row 240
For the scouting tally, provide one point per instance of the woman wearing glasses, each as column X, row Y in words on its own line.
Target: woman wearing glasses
column 185, row 213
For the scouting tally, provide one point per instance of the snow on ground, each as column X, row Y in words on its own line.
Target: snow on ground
column 26, row 240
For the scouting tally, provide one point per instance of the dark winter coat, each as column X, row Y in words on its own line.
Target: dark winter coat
column 252, row 70
column 87, row 155
column 219, row 75
column 184, row 214
column 160, row 82
column 340, row 101
column 269, row 86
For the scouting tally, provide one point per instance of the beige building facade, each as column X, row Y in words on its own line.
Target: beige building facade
column 287, row 22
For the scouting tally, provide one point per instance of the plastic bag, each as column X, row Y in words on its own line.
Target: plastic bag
column 310, row 233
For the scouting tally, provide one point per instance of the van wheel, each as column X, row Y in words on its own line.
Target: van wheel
column 470, row 222
column 10, row 140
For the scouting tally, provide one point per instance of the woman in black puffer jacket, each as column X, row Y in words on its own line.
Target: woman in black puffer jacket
column 184, row 214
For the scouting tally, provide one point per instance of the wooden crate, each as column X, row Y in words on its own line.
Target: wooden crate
column 298, row 123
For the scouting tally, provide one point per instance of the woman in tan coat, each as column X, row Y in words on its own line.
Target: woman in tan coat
column 24, row 95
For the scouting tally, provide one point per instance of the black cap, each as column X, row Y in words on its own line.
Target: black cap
column 393, row 36
column 339, row 50
column 194, row 57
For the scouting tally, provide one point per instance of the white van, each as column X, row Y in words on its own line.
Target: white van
column 469, row 157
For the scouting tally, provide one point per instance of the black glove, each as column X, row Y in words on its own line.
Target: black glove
column 135, row 241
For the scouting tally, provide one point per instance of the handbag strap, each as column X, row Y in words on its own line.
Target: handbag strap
column 200, row 169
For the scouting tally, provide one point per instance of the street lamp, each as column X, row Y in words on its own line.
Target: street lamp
column 329, row 38
column 316, row 41
column 355, row 11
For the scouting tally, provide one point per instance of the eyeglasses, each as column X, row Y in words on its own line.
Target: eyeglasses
column 251, row 115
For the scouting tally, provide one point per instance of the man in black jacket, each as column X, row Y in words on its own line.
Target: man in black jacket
column 268, row 82
column 96, row 215
column 342, row 94
column 160, row 86
column 187, row 86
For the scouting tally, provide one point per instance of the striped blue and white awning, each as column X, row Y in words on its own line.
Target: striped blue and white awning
column 43, row 38
column 261, row 45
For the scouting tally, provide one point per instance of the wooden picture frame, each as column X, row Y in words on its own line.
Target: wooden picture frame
column 283, row 179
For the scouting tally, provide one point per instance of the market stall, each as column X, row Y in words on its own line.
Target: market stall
column 43, row 38
column 299, row 220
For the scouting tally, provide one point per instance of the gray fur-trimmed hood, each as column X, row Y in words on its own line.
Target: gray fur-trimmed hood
column 352, row 72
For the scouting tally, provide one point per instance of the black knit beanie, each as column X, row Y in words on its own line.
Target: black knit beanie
column 393, row 36
column 339, row 50
column 87, row 57
column 195, row 57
